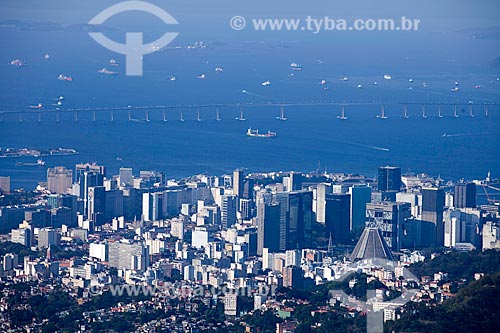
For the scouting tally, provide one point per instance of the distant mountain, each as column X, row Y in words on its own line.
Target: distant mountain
column 17, row 25
column 482, row 33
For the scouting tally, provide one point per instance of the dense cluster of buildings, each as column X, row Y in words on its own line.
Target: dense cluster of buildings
column 239, row 230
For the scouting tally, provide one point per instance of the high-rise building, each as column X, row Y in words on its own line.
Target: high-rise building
column 47, row 237
column 321, row 191
column 462, row 226
column 228, row 210
column 4, row 184
column 64, row 200
column 293, row 182
column 295, row 219
column 152, row 203
column 59, row 179
column 390, row 218
column 491, row 236
column 238, row 182
column 150, row 178
column 432, row 211
column 389, row 178
column 126, row 176
column 293, row 258
column 246, row 208
column 454, row 228
column 88, row 179
column 338, row 221
column 293, row 277
column 177, row 228
column 231, row 303
column 172, row 202
column 21, row 236
column 465, row 195
column 128, row 255
column 268, row 226
column 114, row 204
column 248, row 184
column 88, row 167
column 96, row 208
column 360, row 196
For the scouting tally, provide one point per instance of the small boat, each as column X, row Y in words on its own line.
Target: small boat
column 217, row 115
column 296, row 67
column 46, row 56
column 219, row 69
column 172, row 78
column 113, row 62
column 266, row 83
column 344, row 78
column 410, row 80
column 63, row 77
column 387, row 77
column 198, row 117
column 360, row 86
column 201, row 76
column 38, row 106
column 455, row 113
column 322, row 82
column 455, row 89
column 256, row 134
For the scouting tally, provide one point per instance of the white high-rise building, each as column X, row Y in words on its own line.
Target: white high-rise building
column 152, row 206
column 321, row 191
column 47, row 237
column 59, row 179
column 293, row 258
column 491, row 236
column 126, row 176
column 177, row 228
column 231, row 304
column 99, row 251
column 128, row 255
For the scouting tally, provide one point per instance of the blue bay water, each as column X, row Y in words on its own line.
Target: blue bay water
column 311, row 134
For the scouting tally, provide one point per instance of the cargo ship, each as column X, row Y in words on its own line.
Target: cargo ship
column 39, row 162
column 256, row 134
